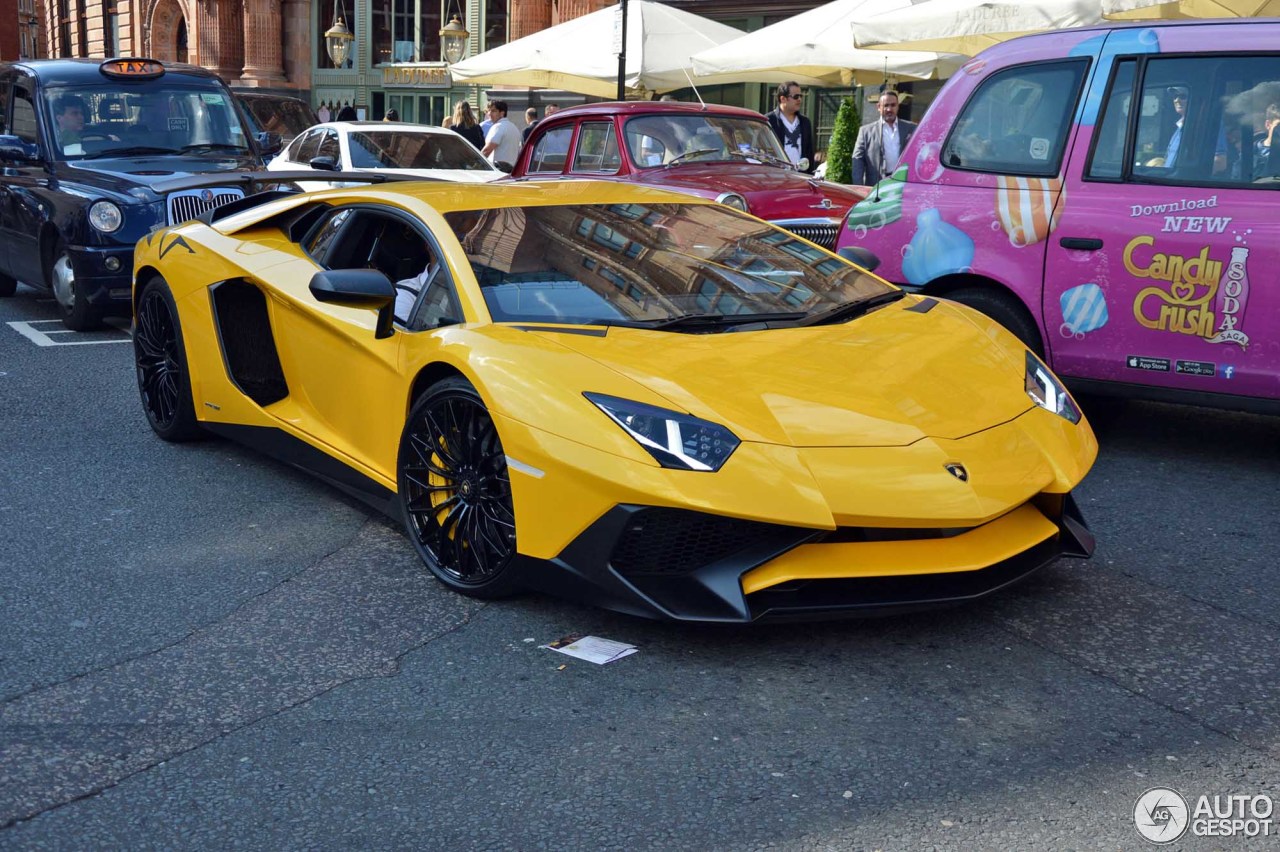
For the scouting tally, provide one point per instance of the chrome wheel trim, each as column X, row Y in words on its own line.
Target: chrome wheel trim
column 64, row 282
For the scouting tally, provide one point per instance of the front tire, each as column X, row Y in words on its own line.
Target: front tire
column 455, row 491
column 77, row 313
column 163, row 380
column 1005, row 310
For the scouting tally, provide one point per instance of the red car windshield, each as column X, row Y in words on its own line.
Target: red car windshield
column 649, row 264
column 664, row 139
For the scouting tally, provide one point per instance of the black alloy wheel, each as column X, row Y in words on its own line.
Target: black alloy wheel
column 163, row 380
column 455, row 491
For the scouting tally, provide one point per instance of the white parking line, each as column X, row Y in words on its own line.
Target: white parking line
column 45, row 338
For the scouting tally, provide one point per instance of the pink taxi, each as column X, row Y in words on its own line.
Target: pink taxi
column 720, row 152
column 1110, row 195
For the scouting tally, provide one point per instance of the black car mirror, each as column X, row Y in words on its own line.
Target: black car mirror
column 862, row 257
column 324, row 164
column 269, row 142
column 357, row 288
column 14, row 149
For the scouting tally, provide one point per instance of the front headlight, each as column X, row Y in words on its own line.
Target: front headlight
column 1047, row 392
column 676, row 440
column 732, row 199
column 105, row 216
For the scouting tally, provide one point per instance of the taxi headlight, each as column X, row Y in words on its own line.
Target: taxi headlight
column 734, row 200
column 676, row 440
column 105, row 216
column 1047, row 392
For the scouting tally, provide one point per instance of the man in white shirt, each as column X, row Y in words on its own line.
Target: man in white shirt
column 502, row 142
column 880, row 144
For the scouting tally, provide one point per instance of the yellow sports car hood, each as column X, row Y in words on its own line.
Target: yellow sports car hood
column 889, row 378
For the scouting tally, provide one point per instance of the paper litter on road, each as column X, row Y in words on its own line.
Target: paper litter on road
column 593, row 649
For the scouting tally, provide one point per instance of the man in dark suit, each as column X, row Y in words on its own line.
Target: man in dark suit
column 793, row 129
column 881, row 143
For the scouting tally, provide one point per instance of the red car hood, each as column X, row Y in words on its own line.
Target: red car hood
column 771, row 192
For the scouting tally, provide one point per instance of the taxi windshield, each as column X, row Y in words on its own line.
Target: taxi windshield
column 672, row 139
column 701, row 267
column 156, row 117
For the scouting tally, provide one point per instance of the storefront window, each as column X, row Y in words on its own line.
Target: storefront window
column 328, row 15
column 495, row 24
column 406, row 30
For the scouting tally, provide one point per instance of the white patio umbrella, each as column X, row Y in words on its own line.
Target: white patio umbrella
column 969, row 26
column 816, row 44
column 578, row 56
column 1138, row 9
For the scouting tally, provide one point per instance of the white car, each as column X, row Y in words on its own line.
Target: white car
column 384, row 146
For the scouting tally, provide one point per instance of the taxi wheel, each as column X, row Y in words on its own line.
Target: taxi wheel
column 8, row 286
column 455, row 491
column 161, row 361
column 77, row 313
column 1005, row 310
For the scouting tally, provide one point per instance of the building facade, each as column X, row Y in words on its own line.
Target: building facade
column 21, row 33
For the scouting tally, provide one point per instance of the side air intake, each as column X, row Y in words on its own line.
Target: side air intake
column 248, row 347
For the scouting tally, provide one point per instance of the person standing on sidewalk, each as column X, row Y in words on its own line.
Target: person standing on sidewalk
column 792, row 127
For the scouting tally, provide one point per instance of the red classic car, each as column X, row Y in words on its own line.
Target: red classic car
column 719, row 152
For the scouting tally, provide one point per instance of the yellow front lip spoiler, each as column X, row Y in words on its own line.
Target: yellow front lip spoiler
column 989, row 544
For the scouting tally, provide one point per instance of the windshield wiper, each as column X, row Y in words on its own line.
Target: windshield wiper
column 757, row 154
column 719, row 320
column 849, row 310
column 675, row 161
column 212, row 146
column 131, row 151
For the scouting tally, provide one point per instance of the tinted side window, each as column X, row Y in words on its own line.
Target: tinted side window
column 4, row 105
column 1108, row 146
column 25, row 126
column 597, row 148
column 317, row 244
column 550, row 151
column 1018, row 121
column 329, row 146
column 310, row 144
column 295, row 149
column 1209, row 120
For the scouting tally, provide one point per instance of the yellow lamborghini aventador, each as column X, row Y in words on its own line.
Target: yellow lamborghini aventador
column 645, row 400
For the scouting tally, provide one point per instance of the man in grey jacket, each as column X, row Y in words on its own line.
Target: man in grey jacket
column 880, row 144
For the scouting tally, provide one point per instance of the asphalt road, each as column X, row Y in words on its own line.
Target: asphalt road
column 200, row 648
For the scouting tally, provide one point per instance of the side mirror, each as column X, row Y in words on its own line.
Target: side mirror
column 15, row 150
column 358, row 288
column 324, row 164
column 269, row 142
column 503, row 166
column 862, row 257
column 803, row 165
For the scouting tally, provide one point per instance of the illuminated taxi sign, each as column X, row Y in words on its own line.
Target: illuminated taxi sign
column 135, row 69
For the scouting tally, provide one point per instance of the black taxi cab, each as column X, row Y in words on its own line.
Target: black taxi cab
column 90, row 153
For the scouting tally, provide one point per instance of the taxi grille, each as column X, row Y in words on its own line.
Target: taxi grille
column 823, row 234
column 190, row 203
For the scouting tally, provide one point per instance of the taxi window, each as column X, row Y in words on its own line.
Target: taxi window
column 550, row 151
column 24, row 115
column 1017, row 122
column 597, row 148
column 4, row 105
column 1209, row 120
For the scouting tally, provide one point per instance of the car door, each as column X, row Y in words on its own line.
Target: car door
column 28, row 186
column 6, row 86
column 1160, row 270
column 337, row 370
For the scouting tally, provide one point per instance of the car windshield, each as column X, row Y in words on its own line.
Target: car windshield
column 405, row 149
column 152, row 117
column 664, row 139
column 651, row 264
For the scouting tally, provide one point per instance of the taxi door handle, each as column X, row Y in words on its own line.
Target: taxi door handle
column 1082, row 243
